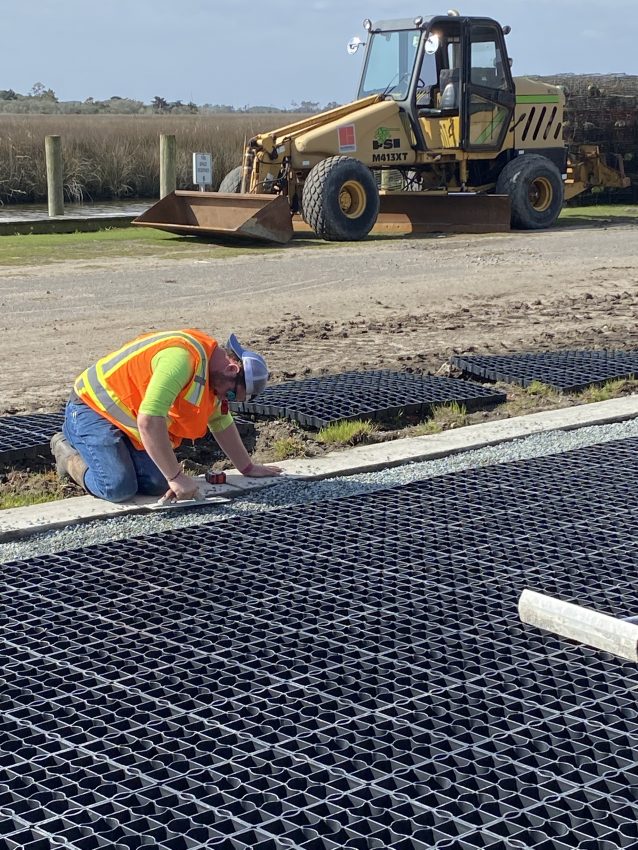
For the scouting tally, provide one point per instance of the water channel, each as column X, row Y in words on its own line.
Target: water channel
column 39, row 212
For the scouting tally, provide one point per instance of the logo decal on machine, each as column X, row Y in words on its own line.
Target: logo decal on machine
column 347, row 138
column 388, row 144
column 385, row 141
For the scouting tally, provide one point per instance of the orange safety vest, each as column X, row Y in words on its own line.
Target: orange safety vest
column 115, row 386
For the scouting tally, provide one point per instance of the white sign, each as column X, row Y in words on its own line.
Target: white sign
column 202, row 169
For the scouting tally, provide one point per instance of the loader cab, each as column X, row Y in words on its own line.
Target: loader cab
column 451, row 75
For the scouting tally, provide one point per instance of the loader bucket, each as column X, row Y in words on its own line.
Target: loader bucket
column 455, row 212
column 263, row 217
column 418, row 212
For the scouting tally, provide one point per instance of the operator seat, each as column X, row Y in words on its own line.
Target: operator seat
column 449, row 87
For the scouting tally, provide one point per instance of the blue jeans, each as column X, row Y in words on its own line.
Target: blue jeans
column 116, row 469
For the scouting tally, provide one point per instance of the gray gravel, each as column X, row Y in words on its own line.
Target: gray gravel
column 299, row 492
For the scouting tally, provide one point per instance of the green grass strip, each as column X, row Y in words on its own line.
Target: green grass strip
column 45, row 248
column 537, row 98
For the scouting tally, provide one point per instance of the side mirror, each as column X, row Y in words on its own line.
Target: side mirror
column 431, row 44
column 354, row 44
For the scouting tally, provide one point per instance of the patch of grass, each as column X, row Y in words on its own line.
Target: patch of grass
column 595, row 213
column 532, row 399
column 610, row 389
column 288, row 447
column 22, row 487
column 17, row 500
column 45, row 248
column 442, row 418
column 539, row 389
column 346, row 433
column 426, row 428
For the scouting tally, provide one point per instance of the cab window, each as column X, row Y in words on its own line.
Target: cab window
column 486, row 60
column 390, row 63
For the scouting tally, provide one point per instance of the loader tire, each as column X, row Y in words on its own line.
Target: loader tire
column 232, row 181
column 340, row 199
column 535, row 187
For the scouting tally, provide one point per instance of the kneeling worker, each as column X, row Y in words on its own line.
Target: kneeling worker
column 129, row 411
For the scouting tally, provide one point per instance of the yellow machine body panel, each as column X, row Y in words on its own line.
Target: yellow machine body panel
column 375, row 134
column 538, row 116
column 441, row 133
column 270, row 139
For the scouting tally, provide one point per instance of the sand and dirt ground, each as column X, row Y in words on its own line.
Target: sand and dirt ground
column 407, row 303
column 314, row 308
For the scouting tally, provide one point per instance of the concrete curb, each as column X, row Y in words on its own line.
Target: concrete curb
column 64, row 224
column 21, row 522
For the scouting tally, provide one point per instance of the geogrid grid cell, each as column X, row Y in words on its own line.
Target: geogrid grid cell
column 567, row 371
column 24, row 436
column 316, row 402
column 359, row 680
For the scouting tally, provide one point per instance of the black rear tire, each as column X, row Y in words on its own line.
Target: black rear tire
column 535, row 187
column 232, row 181
column 340, row 199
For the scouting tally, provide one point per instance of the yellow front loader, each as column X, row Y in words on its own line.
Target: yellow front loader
column 440, row 137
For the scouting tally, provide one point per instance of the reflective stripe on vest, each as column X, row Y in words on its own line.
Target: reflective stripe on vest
column 93, row 380
column 196, row 389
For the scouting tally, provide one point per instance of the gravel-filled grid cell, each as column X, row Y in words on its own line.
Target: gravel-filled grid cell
column 24, row 436
column 567, row 371
column 316, row 402
column 360, row 679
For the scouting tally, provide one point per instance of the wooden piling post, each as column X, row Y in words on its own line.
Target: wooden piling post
column 168, row 164
column 55, row 174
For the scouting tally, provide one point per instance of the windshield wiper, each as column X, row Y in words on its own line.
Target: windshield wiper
column 392, row 85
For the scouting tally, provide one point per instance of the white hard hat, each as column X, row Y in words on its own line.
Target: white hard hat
column 255, row 369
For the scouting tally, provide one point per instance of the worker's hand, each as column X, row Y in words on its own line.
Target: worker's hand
column 182, row 487
column 257, row 471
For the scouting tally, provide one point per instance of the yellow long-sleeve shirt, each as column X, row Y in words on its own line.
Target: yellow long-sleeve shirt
column 172, row 371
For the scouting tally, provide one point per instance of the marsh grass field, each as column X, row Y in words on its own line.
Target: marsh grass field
column 112, row 157
column 117, row 156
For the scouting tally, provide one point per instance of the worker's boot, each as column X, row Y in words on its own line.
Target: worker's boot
column 68, row 462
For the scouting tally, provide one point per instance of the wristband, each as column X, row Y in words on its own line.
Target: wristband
column 177, row 474
column 247, row 469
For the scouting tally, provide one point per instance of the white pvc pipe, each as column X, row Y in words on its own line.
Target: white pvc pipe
column 620, row 637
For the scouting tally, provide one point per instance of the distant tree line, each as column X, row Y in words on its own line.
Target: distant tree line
column 44, row 100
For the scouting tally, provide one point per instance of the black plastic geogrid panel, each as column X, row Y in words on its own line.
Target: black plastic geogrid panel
column 358, row 679
column 316, row 402
column 567, row 371
column 23, row 436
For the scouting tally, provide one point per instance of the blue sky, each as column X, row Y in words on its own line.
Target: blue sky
column 273, row 52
